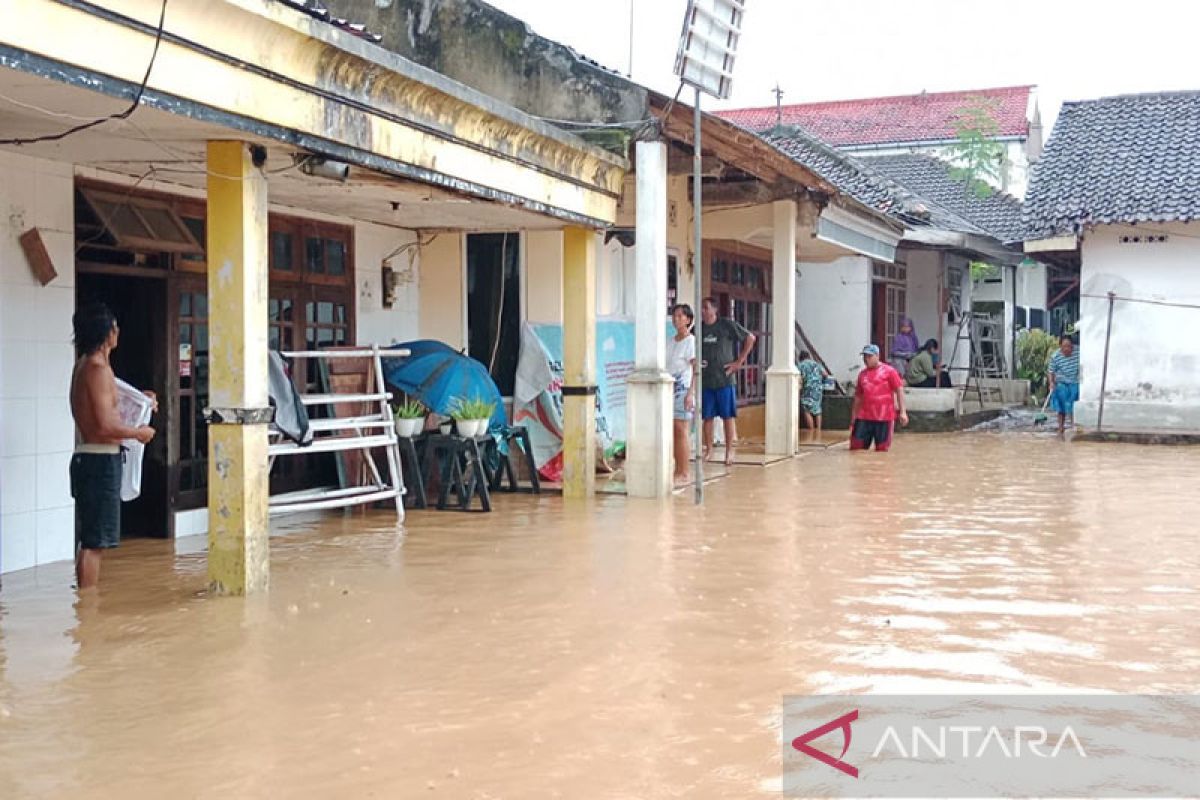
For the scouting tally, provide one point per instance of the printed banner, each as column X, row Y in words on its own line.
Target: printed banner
column 538, row 394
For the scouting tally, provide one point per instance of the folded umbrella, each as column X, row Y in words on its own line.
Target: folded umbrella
column 437, row 375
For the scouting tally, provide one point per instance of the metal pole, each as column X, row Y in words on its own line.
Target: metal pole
column 698, row 278
column 1104, row 373
column 631, row 39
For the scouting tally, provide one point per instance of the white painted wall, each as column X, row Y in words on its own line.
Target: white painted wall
column 833, row 305
column 376, row 324
column 37, row 434
column 1154, row 365
column 924, row 292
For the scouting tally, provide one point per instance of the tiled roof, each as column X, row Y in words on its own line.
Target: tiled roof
column 1118, row 160
column 881, row 120
column 998, row 214
column 315, row 9
column 860, row 181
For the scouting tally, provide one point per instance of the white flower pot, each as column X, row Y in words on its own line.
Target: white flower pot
column 408, row 428
column 471, row 427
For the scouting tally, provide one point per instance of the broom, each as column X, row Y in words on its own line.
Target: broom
column 1041, row 418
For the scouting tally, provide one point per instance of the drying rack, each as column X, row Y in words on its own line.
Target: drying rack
column 333, row 434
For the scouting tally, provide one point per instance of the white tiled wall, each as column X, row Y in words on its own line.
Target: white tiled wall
column 36, row 432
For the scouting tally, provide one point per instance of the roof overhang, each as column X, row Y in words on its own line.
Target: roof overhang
column 857, row 234
column 968, row 243
column 735, row 146
column 1052, row 244
column 264, row 70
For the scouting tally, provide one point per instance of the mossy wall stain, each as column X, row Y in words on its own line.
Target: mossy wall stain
column 498, row 54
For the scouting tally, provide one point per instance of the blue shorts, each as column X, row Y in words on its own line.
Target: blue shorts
column 1064, row 397
column 720, row 403
column 679, row 410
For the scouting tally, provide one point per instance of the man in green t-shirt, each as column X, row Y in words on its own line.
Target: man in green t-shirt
column 724, row 350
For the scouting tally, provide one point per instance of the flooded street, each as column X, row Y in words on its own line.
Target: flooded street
column 618, row 650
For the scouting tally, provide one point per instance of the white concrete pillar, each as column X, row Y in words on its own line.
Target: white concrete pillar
column 783, row 379
column 649, row 408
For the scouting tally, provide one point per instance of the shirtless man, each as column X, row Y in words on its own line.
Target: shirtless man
column 96, row 465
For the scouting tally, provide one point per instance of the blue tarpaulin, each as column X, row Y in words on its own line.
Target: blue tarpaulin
column 437, row 375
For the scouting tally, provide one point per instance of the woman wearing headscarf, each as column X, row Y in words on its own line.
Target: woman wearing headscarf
column 905, row 345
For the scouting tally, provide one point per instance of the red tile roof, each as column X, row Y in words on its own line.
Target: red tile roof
column 883, row 120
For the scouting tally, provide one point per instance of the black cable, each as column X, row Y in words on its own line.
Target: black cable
column 137, row 98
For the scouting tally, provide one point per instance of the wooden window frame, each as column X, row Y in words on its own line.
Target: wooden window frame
column 94, row 196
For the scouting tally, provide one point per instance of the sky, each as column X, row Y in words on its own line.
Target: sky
column 842, row 49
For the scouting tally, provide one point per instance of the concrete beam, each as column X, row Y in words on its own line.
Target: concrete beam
column 238, row 560
column 650, row 425
column 783, row 379
column 579, row 363
column 320, row 87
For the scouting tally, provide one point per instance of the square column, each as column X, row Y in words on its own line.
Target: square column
column 783, row 379
column 650, row 427
column 579, row 363
column 238, row 558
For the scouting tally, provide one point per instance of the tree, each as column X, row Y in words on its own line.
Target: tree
column 977, row 157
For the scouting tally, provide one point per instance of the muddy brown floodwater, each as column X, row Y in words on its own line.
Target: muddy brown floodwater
column 618, row 650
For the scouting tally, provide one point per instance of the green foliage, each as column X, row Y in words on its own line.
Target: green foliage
column 1034, row 349
column 475, row 408
column 982, row 271
column 977, row 156
column 410, row 410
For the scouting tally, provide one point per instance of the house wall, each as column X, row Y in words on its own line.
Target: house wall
column 833, row 305
column 544, row 276
column 1153, row 369
column 924, row 293
column 37, row 434
column 442, row 291
column 376, row 324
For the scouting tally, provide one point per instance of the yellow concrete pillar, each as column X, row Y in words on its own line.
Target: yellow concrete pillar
column 238, row 560
column 579, row 362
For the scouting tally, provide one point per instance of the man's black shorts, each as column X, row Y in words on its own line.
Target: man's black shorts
column 867, row 432
column 96, row 487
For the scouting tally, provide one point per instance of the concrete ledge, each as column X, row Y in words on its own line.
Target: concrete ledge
column 1012, row 392
column 1172, row 439
column 933, row 400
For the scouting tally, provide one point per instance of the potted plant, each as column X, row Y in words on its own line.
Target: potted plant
column 472, row 417
column 410, row 419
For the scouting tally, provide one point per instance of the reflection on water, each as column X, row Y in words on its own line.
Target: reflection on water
column 624, row 649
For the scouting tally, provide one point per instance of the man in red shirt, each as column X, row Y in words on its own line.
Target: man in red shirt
column 879, row 394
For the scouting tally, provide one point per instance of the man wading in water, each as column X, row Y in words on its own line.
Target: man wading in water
column 96, row 465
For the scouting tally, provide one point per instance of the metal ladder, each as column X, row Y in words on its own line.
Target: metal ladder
column 985, row 343
column 368, row 431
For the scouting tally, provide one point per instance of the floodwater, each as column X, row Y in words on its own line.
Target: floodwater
column 619, row 650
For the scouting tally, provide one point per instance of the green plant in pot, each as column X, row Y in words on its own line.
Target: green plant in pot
column 472, row 416
column 410, row 418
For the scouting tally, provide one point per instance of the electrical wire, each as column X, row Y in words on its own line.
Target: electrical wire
column 1140, row 300
column 500, row 310
column 137, row 97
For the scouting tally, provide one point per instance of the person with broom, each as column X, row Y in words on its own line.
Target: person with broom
column 1063, row 377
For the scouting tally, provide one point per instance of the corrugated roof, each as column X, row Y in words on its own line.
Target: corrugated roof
column 1127, row 159
column 881, row 120
column 998, row 214
column 859, row 180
